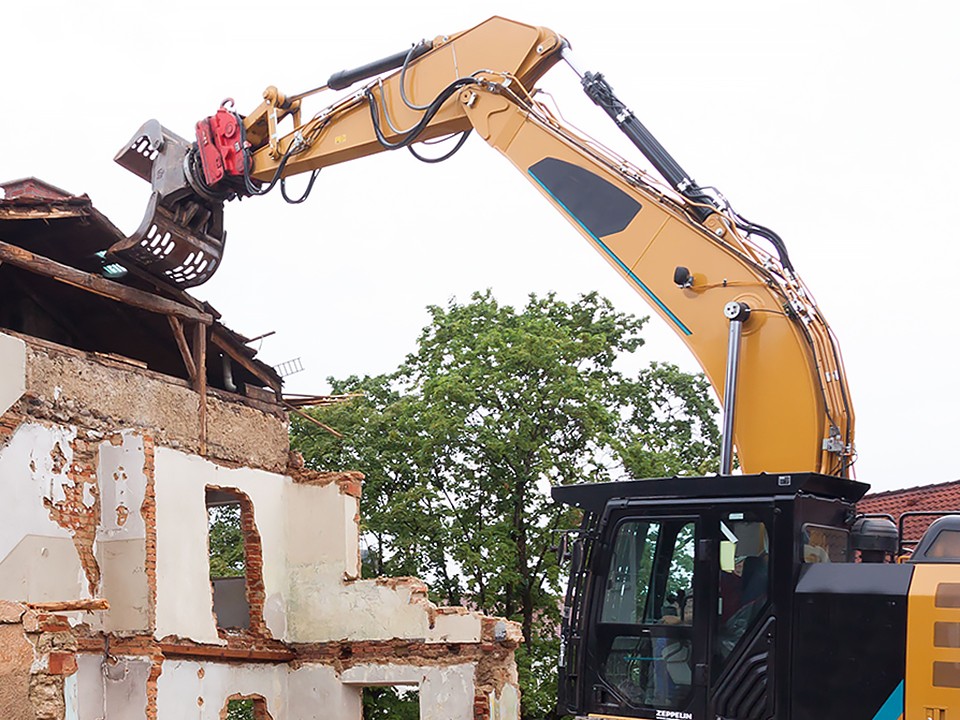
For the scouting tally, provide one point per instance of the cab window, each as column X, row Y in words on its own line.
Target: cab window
column 645, row 633
column 823, row 544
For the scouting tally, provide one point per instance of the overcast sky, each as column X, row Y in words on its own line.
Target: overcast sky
column 833, row 123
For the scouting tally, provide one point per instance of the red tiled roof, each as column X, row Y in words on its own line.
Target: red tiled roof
column 942, row 497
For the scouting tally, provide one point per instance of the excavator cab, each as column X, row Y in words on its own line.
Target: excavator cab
column 735, row 598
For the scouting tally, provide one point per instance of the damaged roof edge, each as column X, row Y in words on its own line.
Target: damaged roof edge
column 53, row 243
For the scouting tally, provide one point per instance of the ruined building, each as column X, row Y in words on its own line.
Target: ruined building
column 127, row 412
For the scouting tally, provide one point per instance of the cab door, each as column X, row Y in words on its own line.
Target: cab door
column 744, row 632
column 649, row 620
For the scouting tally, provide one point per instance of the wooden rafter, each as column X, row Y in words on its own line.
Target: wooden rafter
column 177, row 327
column 26, row 260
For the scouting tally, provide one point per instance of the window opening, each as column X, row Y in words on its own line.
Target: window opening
column 392, row 702
column 235, row 561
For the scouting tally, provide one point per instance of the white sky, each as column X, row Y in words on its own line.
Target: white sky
column 833, row 123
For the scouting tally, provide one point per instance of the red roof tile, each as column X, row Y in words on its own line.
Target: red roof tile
column 942, row 497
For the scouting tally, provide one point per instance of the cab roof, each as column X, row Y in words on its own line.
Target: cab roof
column 593, row 497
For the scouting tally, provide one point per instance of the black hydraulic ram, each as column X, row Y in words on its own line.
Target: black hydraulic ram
column 598, row 89
column 346, row 78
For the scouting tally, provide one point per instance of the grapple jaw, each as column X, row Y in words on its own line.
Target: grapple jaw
column 181, row 238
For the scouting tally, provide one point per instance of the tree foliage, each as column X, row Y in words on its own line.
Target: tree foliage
column 389, row 703
column 461, row 443
column 242, row 709
column 226, row 541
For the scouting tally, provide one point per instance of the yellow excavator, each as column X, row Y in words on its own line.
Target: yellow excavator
column 756, row 595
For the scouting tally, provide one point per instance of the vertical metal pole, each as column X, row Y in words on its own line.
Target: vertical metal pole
column 737, row 313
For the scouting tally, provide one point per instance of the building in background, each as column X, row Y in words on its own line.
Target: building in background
column 928, row 501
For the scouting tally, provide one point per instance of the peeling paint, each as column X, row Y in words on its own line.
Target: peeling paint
column 79, row 509
column 38, row 560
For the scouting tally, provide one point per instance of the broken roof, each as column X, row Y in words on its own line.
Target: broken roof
column 58, row 283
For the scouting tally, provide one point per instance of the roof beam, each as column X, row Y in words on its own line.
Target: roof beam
column 31, row 262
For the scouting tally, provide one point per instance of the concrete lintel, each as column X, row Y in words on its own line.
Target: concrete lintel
column 446, row 692
column 382, row 675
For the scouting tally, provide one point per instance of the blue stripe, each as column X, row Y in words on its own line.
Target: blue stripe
column 647, row 291
column 892, row 709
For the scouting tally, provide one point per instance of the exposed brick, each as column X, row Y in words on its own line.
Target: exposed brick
column 253, row 562
column 481, row 707
column 352, row 487
column 61, row 663
column 148, row 511
column 72, row 513
column 52, row 623
column 349, row 481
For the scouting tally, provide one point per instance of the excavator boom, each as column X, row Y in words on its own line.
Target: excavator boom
column 761, row 595
column 680, row 246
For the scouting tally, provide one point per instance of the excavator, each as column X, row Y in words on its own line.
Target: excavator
column 758, row 593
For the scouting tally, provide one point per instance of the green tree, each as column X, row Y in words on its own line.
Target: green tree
column 241, row 710
column 226, row 541
column 389, row 703
column 462, row 442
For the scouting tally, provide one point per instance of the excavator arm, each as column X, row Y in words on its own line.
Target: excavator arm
column 682, row 247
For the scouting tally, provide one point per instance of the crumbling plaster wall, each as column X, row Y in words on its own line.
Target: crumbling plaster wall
column 323, row 537
column 38, row 559
column 310, row 546
column 308, row 530
column 75, row 470
column 51, row 519
column 104, row 495
column 115, row 691
column 121, row 542
column 184, row 593
column 310, row 691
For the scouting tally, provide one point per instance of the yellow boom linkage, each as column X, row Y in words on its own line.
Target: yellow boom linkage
column 684, row 250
